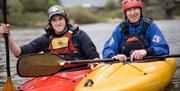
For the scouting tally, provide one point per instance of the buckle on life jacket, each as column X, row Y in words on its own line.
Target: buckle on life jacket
column 133, row 39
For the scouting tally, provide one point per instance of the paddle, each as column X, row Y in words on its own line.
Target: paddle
column 34, row 65
column 8, row 85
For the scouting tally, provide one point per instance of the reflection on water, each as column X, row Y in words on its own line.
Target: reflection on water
column 99, row 34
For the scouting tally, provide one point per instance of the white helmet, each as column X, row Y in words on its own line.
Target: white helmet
column 57, row 10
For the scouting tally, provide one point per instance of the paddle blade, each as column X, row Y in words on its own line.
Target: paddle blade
column 9, row 86
column 35, row 65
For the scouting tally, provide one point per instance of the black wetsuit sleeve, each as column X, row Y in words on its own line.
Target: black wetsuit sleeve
column 88, row 49
column 39, row 44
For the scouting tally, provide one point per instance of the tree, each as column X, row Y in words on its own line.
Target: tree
column 16, row 6
column 113, row 4
column 38, row 5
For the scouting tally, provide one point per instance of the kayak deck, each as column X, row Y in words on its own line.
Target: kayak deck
column 147, row 76
column 63, row 81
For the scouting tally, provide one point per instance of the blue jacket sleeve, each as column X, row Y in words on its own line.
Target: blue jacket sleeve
column 112, row 45
column 157, row 40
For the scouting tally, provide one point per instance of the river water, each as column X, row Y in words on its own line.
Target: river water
column 99, row 33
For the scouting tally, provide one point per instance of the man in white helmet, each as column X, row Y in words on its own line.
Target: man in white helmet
column 62, row 39
column 72, row 42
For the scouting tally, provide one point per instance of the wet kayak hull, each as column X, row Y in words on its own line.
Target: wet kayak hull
column 148, row 76
column 63, row 81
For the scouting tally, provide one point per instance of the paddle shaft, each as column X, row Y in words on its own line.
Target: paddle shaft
column 8, row 85
column 6, row 39
column 148, row 58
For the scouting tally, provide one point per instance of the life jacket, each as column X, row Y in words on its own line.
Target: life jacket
column 65, row 47
column 133, row 42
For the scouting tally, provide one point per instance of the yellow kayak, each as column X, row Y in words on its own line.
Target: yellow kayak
column 146, row 76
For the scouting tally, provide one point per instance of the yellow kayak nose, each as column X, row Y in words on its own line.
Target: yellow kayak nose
column 146, row 76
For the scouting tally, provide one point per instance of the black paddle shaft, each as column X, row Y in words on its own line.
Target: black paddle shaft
column 6, row 39
column 148, row 58
column 163, row 56
column 90, row 61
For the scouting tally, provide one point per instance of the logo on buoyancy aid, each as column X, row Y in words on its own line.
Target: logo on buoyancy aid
column 64, row 46
column 134, row 42
column 59, row 42
column 156, row 39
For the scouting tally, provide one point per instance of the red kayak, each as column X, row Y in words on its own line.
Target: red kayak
column 63, row 81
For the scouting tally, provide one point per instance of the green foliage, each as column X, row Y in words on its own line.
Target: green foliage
column 29, row 12
column 52, row 2
column 1, row 20
column 82, row 15
column 177, row 12
column 113, row 5
column 116, row 14
column 34, row 5
column 110, row 5
column 16, row 6
column 28, row 19
column 34, row 12
column 113, row 9
column 38, row 5
column 113, row 14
